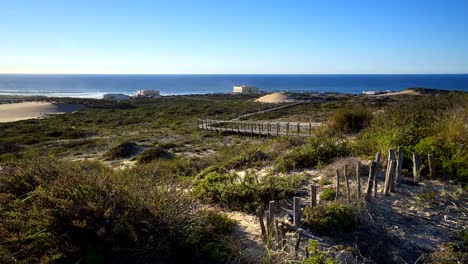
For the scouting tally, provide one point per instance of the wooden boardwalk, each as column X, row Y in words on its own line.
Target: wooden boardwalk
column 259, row 128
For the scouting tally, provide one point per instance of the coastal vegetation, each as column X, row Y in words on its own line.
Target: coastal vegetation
column 139, row 182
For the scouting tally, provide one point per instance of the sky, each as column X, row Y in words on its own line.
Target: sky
column 234, row 36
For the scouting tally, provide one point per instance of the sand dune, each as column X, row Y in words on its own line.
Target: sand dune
column 275, row 98
column 29, row 110
column 405, row 92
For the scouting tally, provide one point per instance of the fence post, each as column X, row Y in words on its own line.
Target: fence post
column 399, row 166
column 389, row 177
column 337, row 175
column 297, row 211
column 310, row 129
column 431, row 161
column 358, row 181
column 261, row 216
column 251, row 129
column 298, row 128
column 277, row 128
column 271, row 217
column 416, row 168
column 287, row 129
column 313, row 195
column 347, row 183
column 370, row 180
column 375, row 177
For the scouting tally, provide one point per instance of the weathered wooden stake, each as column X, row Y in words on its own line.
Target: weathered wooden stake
column 416, row 168
column 271, row 217
column 399, row 166
column 298, row 128
column 297, row 211
column 358, row 181
column 431, row 161
column 313, row 195
column 347, row 183
column 310, row 129
column 391, row 154
column 375, row 177
column 377, row 157
column 389, row 177
column 277, row 128
column 261, row 216
column 370, row 180
column 337, row 175
column 287, row 129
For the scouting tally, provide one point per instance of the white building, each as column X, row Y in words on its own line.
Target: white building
column 147, row 93
column 244, row 89
column 116, row 97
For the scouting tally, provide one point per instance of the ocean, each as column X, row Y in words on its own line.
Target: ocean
column 95, row 86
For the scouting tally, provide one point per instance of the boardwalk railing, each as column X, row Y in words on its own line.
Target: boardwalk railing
column 260, row 128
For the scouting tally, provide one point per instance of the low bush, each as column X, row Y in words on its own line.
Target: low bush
column 123, row 150
column 331, row 217
column 452, row 252
column 245, row 193
column 58, row 211
column 154, row 153
column 317, row 256
column 328, row 194
column 349, row 120
column 317, row 152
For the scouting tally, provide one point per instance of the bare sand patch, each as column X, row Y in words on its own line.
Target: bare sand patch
column 30, row 110
column 405, row 92
column 275, row 98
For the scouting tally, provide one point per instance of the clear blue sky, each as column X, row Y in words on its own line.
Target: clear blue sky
column 233, row 36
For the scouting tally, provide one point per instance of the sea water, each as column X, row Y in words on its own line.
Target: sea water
column 95, row 86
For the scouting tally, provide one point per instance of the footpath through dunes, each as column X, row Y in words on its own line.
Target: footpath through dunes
column 30, row 110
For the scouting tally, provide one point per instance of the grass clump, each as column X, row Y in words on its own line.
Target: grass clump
column 154, row 153
column 328, row 194
column 349, row 120
column 59, row 211
column 244, row 193
column 122, row 150
column 452, row 252
column 317, row 152
column 317, row 256
column 331, row 217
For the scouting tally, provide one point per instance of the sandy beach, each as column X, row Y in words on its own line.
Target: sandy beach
column 29, row 110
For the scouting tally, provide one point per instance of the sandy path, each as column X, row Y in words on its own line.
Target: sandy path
column 275, row 98
column 29, row 110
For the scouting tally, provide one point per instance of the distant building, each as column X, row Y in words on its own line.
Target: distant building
column 147, row 93
column 244, row 89
column 116, row 97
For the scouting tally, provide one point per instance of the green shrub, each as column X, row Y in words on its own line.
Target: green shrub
column 317, row 256
column 154, row 153
column 70, row 212
column 123, row 150
column 317, row 151
column 331, row 217
column 349, row 120
column 328, row 194
column 244, row 193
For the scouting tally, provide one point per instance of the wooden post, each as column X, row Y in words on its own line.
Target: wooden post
column 399, row 166
column 269, row 127
column 261, row 216
column 377, row 157
column 298, row 128
column 251, row 129
column 297, row 211
column 347, row 183
column 358, row 181
column 370, row 180
column 310, row 129
column 416, row 168
column 389, row 177
column 277, row 128
column 313, row 195
column 337, row 184
column 287, row 129
column 375, row 177
column 391, row 154
column 431, row 161
column 238, row 128
column 271, row 217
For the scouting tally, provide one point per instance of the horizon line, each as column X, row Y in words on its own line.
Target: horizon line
column 52, row 73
